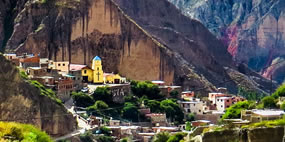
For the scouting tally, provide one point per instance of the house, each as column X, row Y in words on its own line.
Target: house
column 165, row 129
column 10, row 56
column 194, row 106
column 62, row 66
column 157, row 119
column 213, row 96
column 200, row 123
column 47, row 81
column 64, row 88
column 26, row 61
column 261, row 115
column 44, row 62
column 96, row 120
column 36, row 72
column 75, row 70
column 165, row 90
column 187, row 95
column 158, row 82
column 114, row 122
column 96, row 75
column 222, row 103
column 211, row 115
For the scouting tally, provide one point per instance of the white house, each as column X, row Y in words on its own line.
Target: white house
column 196, row 107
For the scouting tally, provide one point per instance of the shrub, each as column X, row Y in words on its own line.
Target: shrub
column 234, row 111
column 280, row 92
column 161, row 137
column 282, row 106
column 22, row 132
column 82, row 100
column 103, row 94
column 177, row 137
column 146, row 88
column 269, row 102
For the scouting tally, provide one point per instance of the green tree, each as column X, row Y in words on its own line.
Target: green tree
column 104, row 139
column 154, row 106
column 86, row 137
column 141, row 88
column 161, row 137
column 177, row 137
column 130, row 112
column 234, row 111
column 249, row 95
column 98, row 107
column 172, row 110
column 82, row 99
column 106, row 131
column 282, row 106
column 174, row 94
column 190, row 117
column 280, row 92
column 269, row 102
column 103, row 94
column 188, row 126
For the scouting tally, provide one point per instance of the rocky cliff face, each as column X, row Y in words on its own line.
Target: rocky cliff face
column 254, row 31
column 21, row 102
column 275, row 134
column 140, row 39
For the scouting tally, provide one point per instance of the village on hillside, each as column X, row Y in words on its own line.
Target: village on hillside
column 97, row 98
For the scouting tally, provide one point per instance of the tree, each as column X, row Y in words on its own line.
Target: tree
column 161, row 137
column 234, row 111
column 177, row 137
column 188, row 126
column 269, row 102
column 174, row 94
column 104, row 130
column 280, row 92
column 86, row 137
column 282, row 106
column 154, row 106
column 141, row 88
column 104, row 139
column 103, row 94
column 172, row 110
column 97, row 107
column 190, row 117
column 250, row 95
column 82, row 99
column 130, row 112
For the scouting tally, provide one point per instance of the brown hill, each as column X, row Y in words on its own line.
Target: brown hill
column 21, row 102
column 140, row 39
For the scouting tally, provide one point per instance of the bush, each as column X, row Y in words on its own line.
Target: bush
column 177, row 137
column 282, row 106
column 280, row 92
column 104, row 139
column 269, row 102
column 234, row 111
column 161, row 137
column 174, row 94
column 130, row 112
column 146, row 88
column 154, row 106
column 44, row 91
column 82, row 100
column 172, row 110
column 11, row 131
column 86, row 137
column 106, row 131
column 190, row 117
column 103, row 94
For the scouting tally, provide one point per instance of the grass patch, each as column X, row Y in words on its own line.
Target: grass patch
column 45, row 92
column 268, row 124
column 16, row 132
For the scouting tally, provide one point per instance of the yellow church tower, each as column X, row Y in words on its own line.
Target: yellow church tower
column 97, row 70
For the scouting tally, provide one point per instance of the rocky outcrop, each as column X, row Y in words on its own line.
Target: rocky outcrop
column 252, row 30
column 275, row 134
column 140, row 39
column 21, row 102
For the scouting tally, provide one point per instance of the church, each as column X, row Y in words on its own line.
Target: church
column 96, row 75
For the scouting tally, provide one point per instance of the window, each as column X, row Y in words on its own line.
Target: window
column 221, row 105
column 58, row 64
column 218, row 100
column 97, row 68
column 199, row 110
column 193, row 104
column 63, row 64
column 85, row 71
column 228, row 100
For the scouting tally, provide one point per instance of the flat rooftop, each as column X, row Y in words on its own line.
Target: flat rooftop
column 268, row 112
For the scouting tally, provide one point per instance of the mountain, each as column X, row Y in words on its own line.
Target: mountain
column 140, row 39
column 253, row 30
column 22, row 102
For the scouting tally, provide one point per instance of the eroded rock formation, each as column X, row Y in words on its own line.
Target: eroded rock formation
column 21, row 102
column 140, row 39
column 254, row 30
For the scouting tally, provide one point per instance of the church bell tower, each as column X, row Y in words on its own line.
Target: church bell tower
column 97, row 70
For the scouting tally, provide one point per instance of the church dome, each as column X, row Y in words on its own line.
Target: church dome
column 97, row 58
